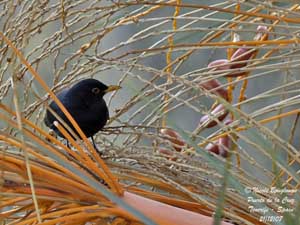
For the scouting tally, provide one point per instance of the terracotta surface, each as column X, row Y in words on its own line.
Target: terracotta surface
column 165, row 214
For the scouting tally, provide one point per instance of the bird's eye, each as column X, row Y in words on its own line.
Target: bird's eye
column 96, row 90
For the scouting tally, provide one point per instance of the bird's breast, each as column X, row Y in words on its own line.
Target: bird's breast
column 91, row 119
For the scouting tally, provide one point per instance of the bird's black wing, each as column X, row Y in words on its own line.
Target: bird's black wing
column 50, row 118
column 93, row 118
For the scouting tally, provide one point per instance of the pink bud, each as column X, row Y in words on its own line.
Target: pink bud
column 214, row 84
column 224, row 144
column 213, row 147
column 211, row 84
column 168, row 153
column 219, row 109
column 219, row 64
column 174, row 138
column 219, row 146
column 241, row 54
column 228, row 121
column 261, row 31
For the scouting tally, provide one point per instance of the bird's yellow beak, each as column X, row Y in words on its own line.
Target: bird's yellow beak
column 112, row 88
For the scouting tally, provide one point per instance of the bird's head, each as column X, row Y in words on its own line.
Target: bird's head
column 92, row 89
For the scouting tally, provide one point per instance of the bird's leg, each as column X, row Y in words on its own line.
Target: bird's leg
column 94, row 144
column 68, row 144
column 68, row 154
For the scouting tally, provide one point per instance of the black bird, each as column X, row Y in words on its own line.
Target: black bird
column 85, row 103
